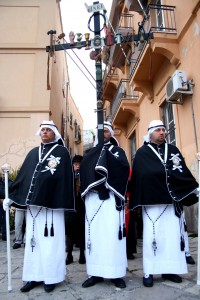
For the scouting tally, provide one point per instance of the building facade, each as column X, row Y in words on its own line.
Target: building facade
column 155, row 75
column 34, row 83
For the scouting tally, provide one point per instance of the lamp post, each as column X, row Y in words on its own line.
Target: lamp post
column 98, row 66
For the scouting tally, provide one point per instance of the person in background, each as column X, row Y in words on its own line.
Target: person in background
column 20, row 221
column 45, row 185
column 189, row 259
column 75, row 222
column 104, row 175
column 131, row 234
column 161, row 183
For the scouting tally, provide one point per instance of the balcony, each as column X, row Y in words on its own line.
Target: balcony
column 118, row 52
column 110, row 73
column 146, row 58
column 124, row 103
column 161, row 19
column 110, row 80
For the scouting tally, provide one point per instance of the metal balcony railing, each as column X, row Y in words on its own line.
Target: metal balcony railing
column 124, row 92
column 161, row 19
column 125, row 25
column 110, row 73
column 125, row 28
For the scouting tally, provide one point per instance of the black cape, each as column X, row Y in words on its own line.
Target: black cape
column 47, row 184
column 153, row 184
column 103, row 166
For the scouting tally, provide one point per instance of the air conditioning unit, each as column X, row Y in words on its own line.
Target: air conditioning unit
column 176, row 86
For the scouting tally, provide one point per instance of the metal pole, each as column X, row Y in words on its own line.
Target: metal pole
column 194, row 124
column 6, row 168
column 142, row 9
column 198, row 245
column 98, row 66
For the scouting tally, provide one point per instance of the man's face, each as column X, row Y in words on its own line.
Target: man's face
column 107, row 135
column 158, row 136
column 47, row 135
column 76, row 166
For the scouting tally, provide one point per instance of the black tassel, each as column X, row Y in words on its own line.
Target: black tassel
column 124, row 230
column 46, row 230
column 120, row 233
column 52, row 230
column 182, row 244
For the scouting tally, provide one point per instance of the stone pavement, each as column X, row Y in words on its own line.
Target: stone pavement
column 71, row 288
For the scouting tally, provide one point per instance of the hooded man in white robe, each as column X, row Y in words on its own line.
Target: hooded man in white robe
column 44, row 185
column 161, row 183
column 104, row 175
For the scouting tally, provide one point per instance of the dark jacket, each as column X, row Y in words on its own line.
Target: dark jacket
column 48, row 182
column 105, row 167
column 153, row 183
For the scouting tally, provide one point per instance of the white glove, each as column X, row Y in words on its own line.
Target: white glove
column 197, row 191
column 6, row 203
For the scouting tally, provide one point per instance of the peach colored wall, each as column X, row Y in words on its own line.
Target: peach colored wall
column 24, row 98
column 172, row 51
column 75, row 148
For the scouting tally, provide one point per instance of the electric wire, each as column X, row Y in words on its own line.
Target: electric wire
column 80, row 69
column 82, row 63
column 77, row 64
column 111, row 66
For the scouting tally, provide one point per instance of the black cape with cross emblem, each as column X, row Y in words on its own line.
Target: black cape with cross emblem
column 151, row 181
column 53, row 185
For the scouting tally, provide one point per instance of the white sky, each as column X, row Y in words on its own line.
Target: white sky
column 75, row 18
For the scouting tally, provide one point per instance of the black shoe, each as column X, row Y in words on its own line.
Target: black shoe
column 119, row 282
column 69, row 259
column 49, row 287
column 148, row 282
column 16, row 246
column 172, row 277
column 131, row 257
column 91, row 281
column 82, row 260
column 30, row 285
column 190, row 260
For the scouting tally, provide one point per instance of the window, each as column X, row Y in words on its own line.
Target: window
column 63, row 126
column 168, row 120
column 157, row 5
column 70, row 119
column 75, row 130
column 160, row 17
column 79, row 133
